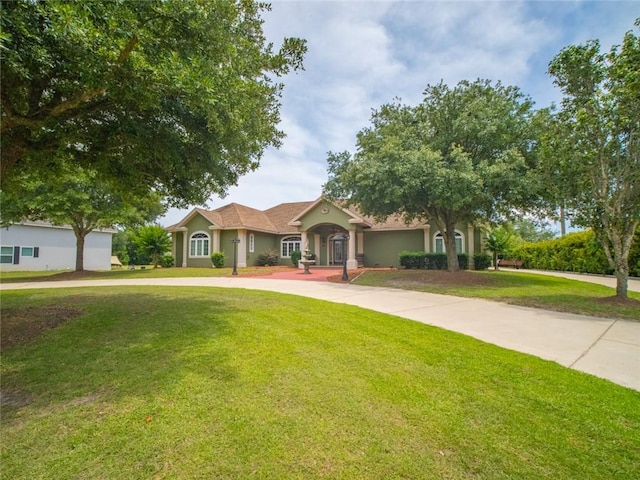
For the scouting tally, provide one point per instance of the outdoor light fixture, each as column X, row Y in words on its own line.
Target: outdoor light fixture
column 235, row 242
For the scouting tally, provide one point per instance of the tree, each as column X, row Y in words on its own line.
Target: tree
column 78, row 198
column 175, row 96
column 530, row 230
column 498, row 241
column 154, row 241
column 599, row 128
column 459, row 156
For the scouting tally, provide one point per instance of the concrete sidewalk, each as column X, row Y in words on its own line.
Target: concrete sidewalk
column 606, row 348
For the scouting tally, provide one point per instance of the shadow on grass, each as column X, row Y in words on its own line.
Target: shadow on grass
column 122, row 342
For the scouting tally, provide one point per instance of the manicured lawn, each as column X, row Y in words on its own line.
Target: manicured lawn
column 518, row 288
column 124, row 273
column 165, row 382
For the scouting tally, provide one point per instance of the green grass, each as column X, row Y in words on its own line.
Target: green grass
column 155, row 382
column 124, row 273
column 518, row 288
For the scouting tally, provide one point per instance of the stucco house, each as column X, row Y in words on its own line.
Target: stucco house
column 314, row 225
column 43, row 246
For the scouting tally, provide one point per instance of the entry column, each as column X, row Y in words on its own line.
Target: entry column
column 352, row 263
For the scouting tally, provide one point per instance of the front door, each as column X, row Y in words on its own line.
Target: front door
column 338, row 252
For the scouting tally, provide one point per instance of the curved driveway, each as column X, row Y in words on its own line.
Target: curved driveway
column 607, row 348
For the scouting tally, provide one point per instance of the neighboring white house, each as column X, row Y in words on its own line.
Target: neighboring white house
column 42, row 246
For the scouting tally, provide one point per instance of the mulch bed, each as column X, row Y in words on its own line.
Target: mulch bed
column 441, row 277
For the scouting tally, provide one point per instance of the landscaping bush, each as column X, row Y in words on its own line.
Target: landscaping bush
column 576, row 252
column 296, row 256
column 167, row 261
column 268, row 257
column 430, row 261
column 435, row 261
column 481, row 261
column 217, row 258
column 412, row 259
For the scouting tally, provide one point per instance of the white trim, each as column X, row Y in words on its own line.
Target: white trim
column 282, row 240
column 208, row 239
column 444, row 246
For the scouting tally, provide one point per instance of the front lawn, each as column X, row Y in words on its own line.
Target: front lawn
column 517, row 288
column 125, row 273
column 165, row 382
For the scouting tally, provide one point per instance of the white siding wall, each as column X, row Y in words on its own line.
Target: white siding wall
column 57, row 248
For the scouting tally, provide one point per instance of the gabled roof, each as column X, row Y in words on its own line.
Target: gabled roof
column 282, row 218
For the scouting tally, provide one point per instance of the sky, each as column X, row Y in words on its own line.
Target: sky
column 363, row 54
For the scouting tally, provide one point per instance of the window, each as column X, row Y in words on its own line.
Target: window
column 27, row 251
column 6, row 255
column 440, row 248
column 199, row 245
column 252, row 243
column 290, row 245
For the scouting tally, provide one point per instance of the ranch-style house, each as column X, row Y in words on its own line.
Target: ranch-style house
column 316, row 226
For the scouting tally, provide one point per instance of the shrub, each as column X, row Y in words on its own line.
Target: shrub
column 268, row 257
column 435, row 261
column 576, row 252
column 430, row 261
column 412, row 259
column 481, row 261
column 167, row 261
column 296, row 256
column 217, row 259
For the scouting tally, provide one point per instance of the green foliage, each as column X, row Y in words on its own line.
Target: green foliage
column 576, row 252
column 529, row 230
column 591, row 149
column 412, row 259
column 217, row 259
column 268, row 257
column 481, row 261
column 154, row 241
column 461, row 155
column 76, row 197
column 176, row 96
column 430, row 261
column 296, row 256
column 500, row 242
column 167, row 261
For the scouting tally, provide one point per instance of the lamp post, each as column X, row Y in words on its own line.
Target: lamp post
column 235, row 242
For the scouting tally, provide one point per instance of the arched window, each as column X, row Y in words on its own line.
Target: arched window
column 289, row 245
column 440, row 246
column 199, row 245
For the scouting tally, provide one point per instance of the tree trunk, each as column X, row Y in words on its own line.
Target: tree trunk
column 495, row 260
column 81, row 234
column 617, row 245
column 563, row 220
column 449, row 236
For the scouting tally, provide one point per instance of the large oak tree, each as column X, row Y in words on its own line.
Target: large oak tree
column 459, row 156
column 178, row 96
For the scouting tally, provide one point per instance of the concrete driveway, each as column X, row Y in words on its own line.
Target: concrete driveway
column 607, row 348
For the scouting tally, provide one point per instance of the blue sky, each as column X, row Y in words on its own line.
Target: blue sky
column 363, row 54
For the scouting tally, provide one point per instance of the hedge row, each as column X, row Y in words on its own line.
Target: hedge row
column 438, row 261
column 576, row 252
